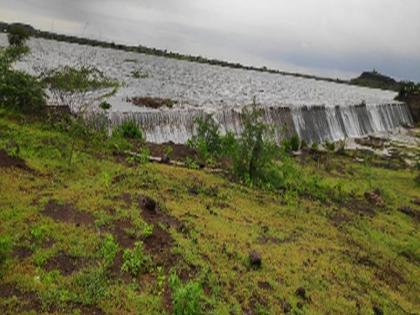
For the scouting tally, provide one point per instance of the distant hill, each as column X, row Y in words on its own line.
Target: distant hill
column 374, row 79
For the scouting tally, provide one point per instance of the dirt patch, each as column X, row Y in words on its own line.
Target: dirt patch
column 7, row 161
column 152, row 214
column 64, row 263
column 415, row 214
column 152, row 102
column 265, row 285
column 374, row 198
column 178, row 152
column 338, row 218
column 21, row 253
column 87, row 309
column 67, row 213
column 28, row 301
column 119, row 230
column 359, row 206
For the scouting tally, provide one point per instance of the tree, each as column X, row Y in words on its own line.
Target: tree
column 17, row 36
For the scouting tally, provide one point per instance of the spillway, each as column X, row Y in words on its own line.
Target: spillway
column 315, row 110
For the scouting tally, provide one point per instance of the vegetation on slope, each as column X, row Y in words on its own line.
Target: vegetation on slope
column 86, row 229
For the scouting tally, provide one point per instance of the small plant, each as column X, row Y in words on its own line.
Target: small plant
column 129, row 130
column 147, row 230
column 161, row 278
column 207, row 141
column 187, row 298
column 295, row 143
column 138, row 74
column 191, row 164
column 108, row 251
column 5, row 248
column 330, row 146
column 105, row 106
column 135, row 260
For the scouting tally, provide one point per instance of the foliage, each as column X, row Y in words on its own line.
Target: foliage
column 129, row 130
column 18, row 90
column 255, row 150
column 187, row 298
column 207, row 141
column 292, row 144
column 108, row 251
column 105, row 106
column 135, row 260
column 17, row 35
column 78, row 88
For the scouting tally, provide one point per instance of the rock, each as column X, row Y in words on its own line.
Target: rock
column 377, row 311
column 287, row 308
column 408, row 211
column 255, row 259
column 301, row 292
column 416, row 201
column 165, row 159
column 374, row 198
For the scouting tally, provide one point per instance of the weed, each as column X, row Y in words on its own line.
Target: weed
column 135, row 260
column 187, row 298
column 129, row 130
column 108, row 251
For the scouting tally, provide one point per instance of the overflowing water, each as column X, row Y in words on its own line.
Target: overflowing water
column 315, row 110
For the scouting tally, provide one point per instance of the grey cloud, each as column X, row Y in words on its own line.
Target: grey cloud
column 323, row 37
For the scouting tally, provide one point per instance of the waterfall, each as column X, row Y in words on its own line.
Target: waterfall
column 314, row 124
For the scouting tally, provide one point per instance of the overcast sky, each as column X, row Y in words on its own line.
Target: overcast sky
column 338, row 38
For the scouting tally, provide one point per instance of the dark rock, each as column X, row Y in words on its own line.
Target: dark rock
column 287, row 308
column 166, row 159
column 301, row 292
column 377, row 310
column 409, row 211
column 255, row 259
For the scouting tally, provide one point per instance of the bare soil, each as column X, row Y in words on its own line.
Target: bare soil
column 64, row 263
column 67, row 213
column 7, row 161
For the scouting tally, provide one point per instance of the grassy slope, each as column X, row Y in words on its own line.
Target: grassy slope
column 348, row 258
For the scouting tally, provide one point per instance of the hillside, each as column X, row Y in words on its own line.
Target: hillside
column 377, row 80
column 65, row 230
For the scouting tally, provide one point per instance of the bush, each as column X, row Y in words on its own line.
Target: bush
column 129, row 130
column 255, row 151
column 135, row 260
column 187, row 298
column 78, row 88
column 19, row 91
column 207, row 141
column 17, row 36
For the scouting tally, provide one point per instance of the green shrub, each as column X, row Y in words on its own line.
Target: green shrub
column 295, row 142
column 129, row 130
column 18, row 90
column 207, row 141
column 78, row 88
column 255, row 151
column 108, row 251
column 135, row 260
column 187, row 299
column 17, row 36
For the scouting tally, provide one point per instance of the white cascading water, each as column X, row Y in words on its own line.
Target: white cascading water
column 315, row 110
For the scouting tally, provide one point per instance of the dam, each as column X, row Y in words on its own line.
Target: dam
column 316, row 110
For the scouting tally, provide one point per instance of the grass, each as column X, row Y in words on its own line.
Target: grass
column 349, row 256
